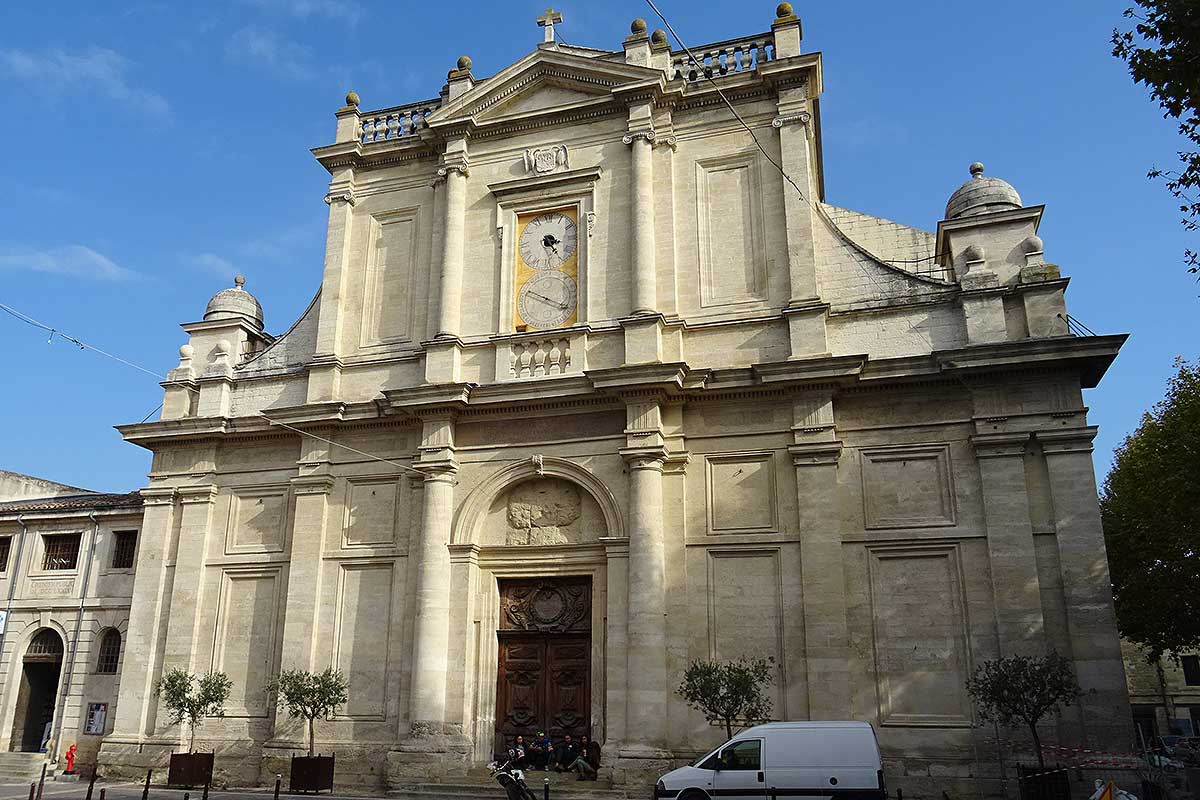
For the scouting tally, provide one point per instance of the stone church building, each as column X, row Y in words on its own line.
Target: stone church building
column 595, row 384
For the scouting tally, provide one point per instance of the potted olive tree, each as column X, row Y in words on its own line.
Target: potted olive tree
column 309, row 696
column 190, row 699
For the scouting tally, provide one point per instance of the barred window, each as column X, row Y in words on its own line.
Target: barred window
column 62, row 551
column 5, row 548
column 1191, row 670
column 110, row 652
column 124, row 549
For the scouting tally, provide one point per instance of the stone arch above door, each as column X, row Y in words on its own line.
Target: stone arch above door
column 539, row 495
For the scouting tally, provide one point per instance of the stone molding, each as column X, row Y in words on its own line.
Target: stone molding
column 1069, row 440
column 633, row 136
column 158, row 496
column 816, row 454
column 445, row 170
column 1000, row 445
column 346, row 196
column 313, row 485
column 197, row 494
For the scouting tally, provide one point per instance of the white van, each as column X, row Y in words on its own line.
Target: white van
column 837, row 760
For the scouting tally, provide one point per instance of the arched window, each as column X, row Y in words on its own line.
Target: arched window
column 110, row 652
column 47, row 644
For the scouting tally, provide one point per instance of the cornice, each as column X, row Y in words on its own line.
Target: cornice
column 587, row 175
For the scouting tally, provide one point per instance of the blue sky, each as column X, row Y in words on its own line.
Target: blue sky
column 152, row 150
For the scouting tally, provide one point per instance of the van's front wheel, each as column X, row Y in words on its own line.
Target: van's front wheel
column 693, row 795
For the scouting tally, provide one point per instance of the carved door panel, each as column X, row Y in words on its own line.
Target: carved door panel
column 521, row 690
column 568, row 696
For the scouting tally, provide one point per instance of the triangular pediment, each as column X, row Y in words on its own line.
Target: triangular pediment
column 545, row 81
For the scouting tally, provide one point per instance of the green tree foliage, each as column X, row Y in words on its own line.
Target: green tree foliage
column 309, row 695
column 1150, row 505
column 1022, row 690
column 190, row 698
column 1163, row 52
column 729, row 691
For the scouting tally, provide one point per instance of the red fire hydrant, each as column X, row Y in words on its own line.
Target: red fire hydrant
column 71, row 760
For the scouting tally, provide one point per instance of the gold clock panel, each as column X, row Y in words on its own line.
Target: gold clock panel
column 546, row 289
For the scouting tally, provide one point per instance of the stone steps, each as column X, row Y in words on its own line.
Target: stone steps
column 22, row 767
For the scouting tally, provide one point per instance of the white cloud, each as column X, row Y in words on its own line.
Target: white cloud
column 282, row 56
column 345, row 11
column 215, row 264
column 95, row 69
column 75, row 260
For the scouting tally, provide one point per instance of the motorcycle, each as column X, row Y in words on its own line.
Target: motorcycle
column 511, row 778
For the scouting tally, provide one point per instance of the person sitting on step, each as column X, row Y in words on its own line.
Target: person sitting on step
column 565, row 754
column 520, row 759
column 587, row 765
column 541, row 751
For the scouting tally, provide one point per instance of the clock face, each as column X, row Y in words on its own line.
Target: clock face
column 549, row 240
column 548, row 299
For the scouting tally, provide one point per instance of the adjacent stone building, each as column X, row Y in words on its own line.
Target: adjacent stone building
column 596, row 383
column 66, row 584
column 1164, row 694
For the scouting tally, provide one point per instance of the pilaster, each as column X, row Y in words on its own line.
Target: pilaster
column 1012, row 556
column 454, row 169
column 325, row 369
column 641, row 138
column 816, row 453
column 1091, row 620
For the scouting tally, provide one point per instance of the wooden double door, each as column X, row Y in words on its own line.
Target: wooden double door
column 545, row 659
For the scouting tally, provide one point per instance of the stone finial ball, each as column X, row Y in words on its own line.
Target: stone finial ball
column 352, row 99
column 638, row 26
column 973, row 253
column 659, row 36
column 784, row 10
column 186, row 351
column 224, row 347
column 239, row 281
column 1032, row 244
column 464, row 62
column 976, row 169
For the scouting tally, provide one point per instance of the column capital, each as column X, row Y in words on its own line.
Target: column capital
column 197, row 494
column 343, row 196
column 631, row 137
column 801, row 118
column 654, row 458
column 1000, row 445
column 816, row 454
column 462, row 168
column 158, row 496
column 313, row 484
column 1067, row 440
column 442, row 471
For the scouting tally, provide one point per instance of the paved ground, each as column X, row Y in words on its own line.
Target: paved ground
column 133, row 791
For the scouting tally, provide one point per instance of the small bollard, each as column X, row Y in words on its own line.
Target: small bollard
column 91, row 785
column 41, row 782
column 185, row 795
column 146, row 788
column 205, row 795
column 545, row 789
column 101, row 794
column 899, row 793
column 278, row 781
column 32, row 789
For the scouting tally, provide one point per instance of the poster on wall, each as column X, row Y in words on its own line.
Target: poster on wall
column 97, row 715
column 3, row 620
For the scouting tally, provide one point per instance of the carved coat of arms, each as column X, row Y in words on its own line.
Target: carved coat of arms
column 545, row 160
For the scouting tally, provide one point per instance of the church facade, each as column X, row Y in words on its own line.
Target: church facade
column 596, row 384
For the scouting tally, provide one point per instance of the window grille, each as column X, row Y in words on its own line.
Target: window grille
column 62, row 551
column 124, row 549
column 46, row 643
column 5, row 548
column 110, row 652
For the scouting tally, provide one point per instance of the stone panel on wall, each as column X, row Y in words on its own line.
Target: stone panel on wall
column 247, row 637
column 907, row 486
column 256, row 520
column 364, row 624
column 732, row 262
column 389, row 280
column 372, row 506
column 745, row 610
column 920, row 635
column 741, row 493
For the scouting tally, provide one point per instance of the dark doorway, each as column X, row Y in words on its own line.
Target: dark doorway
column 545, row 655
column 38, row 692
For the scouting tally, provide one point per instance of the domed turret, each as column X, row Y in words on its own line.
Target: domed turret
column 981, row 195
column 235, row 303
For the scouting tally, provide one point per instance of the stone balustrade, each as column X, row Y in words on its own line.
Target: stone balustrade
column 539, row 358
column 723, row 58
column 396, row 123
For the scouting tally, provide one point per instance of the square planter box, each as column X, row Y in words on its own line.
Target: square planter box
column 311, row 774
column 190, row 769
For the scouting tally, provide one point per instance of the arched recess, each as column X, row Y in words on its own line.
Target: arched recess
column 470, row 516
column 37, row 695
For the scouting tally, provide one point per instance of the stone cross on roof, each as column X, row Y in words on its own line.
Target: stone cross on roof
column 548, row 21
